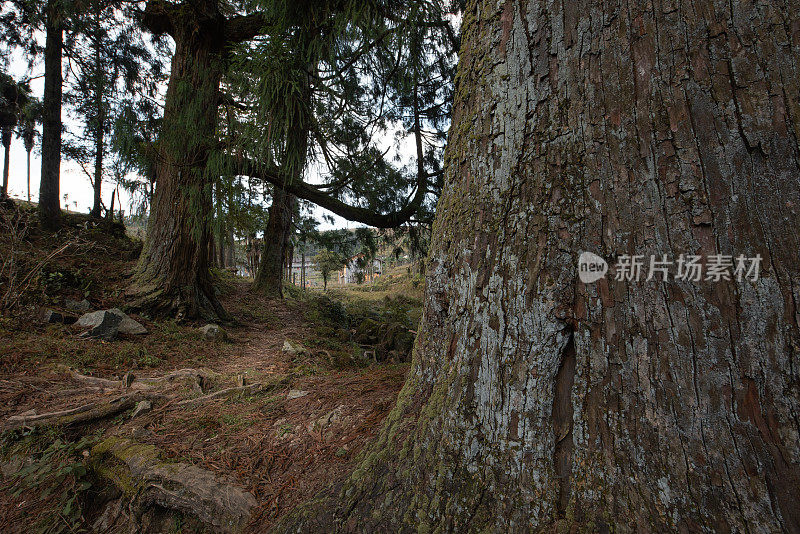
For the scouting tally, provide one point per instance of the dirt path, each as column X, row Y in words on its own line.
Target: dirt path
column 283, row 442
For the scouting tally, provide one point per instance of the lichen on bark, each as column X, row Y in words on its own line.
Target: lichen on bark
column 535, row 401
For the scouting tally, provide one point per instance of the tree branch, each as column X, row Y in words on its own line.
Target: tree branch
column 157, row 17
column 313, row 194
column 244, row 27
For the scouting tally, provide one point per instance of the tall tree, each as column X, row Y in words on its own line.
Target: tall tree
column 114, row 75
column 339, row 92
column 49, row 184
column 172, row 275
column 538, row 403
column 293, row 117
column 31, row 115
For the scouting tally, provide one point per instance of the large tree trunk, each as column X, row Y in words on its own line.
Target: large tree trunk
column 535, row 401
column 269, row 278
column 173, row 275
column 49, row 210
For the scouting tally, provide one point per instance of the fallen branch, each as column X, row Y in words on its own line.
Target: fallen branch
column 232, row 391
column 96, row 381
column 138, row 383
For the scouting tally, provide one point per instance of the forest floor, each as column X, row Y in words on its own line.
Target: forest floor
column 278, row 422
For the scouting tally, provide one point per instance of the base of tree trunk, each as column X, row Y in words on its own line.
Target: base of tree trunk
column 186, row 302
column 400, row 486
column 268, row 288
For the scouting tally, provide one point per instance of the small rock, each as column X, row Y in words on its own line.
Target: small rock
column 142, row 407
column 213, row 332
column 293, row 348
column 52, row 317
column 126, row 326
column 14, row 465
column 82, row 306
column 296, row 394
column 108, row 328
column 330, row 418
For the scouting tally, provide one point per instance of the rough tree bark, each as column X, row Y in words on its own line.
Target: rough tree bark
column 535, row 401
column 172, row 276
column 49, row 207
column 269, row 278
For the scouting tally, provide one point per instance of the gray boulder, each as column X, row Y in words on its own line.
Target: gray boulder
column 108, row 328
column 51, row 317
column 126, row 325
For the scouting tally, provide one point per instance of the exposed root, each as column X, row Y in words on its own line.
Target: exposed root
column 82, row 414
column 138, row 470
column 191, row 302
column 180, row 373
column 232, row 391
column 131, row 382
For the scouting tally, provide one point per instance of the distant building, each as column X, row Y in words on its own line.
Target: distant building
column 352, row 272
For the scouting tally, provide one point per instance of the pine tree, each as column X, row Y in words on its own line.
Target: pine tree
column 49, row 184
column 114, row 72
column 172, row 276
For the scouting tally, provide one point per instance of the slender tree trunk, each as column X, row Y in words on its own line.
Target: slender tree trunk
column 98, row 176
column 537, row 403
column 173, row 275
column 49, row 194
column 230, row 252
column 100, row 126
column 110, row 211
column 7, row 134
column 98, row 171
column 28, row 152
column 279, row 228
column 269, row 278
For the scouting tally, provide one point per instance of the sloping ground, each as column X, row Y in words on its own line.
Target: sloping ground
column 249, row 418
